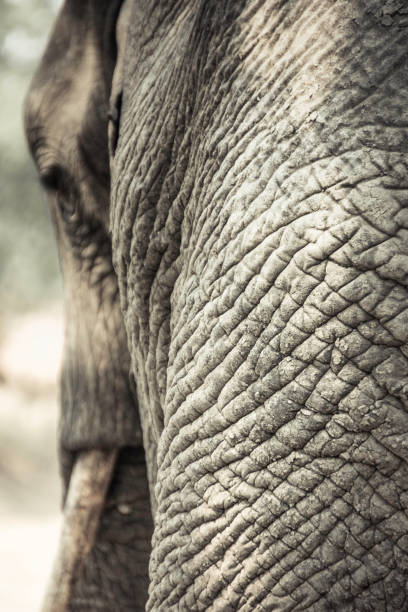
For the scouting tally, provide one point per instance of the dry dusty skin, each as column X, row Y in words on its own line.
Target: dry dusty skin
column 30, row 349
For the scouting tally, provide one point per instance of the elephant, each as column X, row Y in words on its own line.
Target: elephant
column 229, row 186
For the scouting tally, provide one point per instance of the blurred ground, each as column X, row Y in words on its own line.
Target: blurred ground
column 30, row 327
column 29, row 503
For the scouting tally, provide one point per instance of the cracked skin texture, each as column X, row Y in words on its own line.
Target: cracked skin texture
column 259, row 236
column 260, row 223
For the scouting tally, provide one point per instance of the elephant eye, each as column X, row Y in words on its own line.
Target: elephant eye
column 51, row 178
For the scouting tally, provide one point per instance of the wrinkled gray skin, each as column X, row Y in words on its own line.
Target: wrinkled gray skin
column 259, row 230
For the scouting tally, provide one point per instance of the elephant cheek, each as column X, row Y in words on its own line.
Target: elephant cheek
column 107, row 522
column 98, row 402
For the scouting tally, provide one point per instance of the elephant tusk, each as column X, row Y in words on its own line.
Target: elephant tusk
column 90, row 479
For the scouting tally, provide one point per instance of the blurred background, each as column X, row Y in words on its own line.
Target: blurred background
column 30, row 327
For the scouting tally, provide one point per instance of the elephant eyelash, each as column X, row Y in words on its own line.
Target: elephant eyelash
column 36, row 140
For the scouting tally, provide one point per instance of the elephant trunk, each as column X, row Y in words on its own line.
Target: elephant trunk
column 280, row 379
column 84, row 503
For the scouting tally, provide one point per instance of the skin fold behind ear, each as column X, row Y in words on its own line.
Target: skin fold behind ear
column 128, row 14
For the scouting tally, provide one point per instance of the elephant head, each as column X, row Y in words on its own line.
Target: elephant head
column 258, row 228
column 66, row 116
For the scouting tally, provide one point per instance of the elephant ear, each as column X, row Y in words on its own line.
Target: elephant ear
column 115, row 102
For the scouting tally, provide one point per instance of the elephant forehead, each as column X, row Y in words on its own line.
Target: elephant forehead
column 231, row 96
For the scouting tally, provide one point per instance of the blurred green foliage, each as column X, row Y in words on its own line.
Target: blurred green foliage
column 29, row 274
